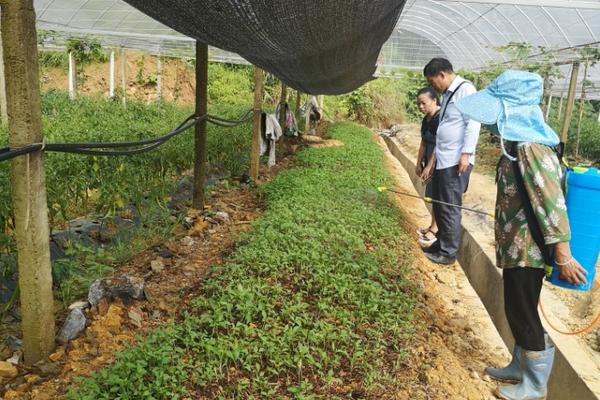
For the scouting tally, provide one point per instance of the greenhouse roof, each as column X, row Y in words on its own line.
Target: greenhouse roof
column 468, row 32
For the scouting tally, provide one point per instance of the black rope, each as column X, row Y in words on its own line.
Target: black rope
column 94, row 149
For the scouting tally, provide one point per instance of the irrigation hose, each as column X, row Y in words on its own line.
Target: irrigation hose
column 582, row 331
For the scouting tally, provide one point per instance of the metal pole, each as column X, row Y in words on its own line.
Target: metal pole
column 72, row 77
column 111, row 77
column 200, row 136
column 28, row 179
column 258, row 96
column 564, row 133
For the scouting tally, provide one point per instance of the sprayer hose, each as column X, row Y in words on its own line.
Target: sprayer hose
column 575, row 333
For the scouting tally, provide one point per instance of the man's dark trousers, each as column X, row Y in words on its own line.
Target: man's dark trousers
column 449, row 187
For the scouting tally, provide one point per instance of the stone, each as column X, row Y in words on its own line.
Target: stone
column 45, row 368
column 8, row 370
column 157, row 265
column 73, row 326
column 16, row 358
column 96, row 293
column 13, row 342
column 124, row 287
column 5, row 352
column 187, row 241
column 82, row 305
column 475, row 375
column 57, row 355
column 136, row 316
column 222, row 217
column 487, row 378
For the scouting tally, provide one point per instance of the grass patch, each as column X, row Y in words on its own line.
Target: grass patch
column 314, row 303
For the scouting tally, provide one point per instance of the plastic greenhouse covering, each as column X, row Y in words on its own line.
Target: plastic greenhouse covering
column 467, row 32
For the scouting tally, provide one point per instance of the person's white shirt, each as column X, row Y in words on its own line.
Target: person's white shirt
column 456, row 133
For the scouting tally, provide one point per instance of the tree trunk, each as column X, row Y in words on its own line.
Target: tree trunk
column 28, row 181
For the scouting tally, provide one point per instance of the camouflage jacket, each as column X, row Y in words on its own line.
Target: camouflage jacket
column 541, row 172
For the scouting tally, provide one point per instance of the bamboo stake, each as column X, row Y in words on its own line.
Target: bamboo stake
column 298, row 100
column 560, row 107
column 158, row 77
column 548, row 107
column 124, row 77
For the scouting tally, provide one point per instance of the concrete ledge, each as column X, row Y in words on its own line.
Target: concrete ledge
column 575, row 375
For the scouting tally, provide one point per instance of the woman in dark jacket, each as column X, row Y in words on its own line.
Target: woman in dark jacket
column 429, row 104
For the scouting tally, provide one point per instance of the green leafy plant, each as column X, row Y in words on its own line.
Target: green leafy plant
column 314, row 299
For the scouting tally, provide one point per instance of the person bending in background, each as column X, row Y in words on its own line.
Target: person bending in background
column 428, row 104
column 529, row 200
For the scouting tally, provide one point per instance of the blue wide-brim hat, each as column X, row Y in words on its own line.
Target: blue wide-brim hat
column 511, row 102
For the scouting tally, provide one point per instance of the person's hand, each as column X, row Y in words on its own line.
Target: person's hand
column 426, row 174
column 572, row 272
column 419, row 169
column 463, row 163
column 570, row 269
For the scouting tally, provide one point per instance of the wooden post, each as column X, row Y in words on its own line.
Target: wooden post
column 124, row 77
column 158, row 77
column 581, row 106
column 282, row 101
column 564, row 133
column 28, row 181
column 3, row 108
column 258, row 97
column 560, row 106
column 111, row 76
column 298, row 101
column 200, row 136
column 72, row 77
column 549, row 106
column 307, row 116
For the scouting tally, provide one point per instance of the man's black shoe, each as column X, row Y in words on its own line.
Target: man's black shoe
column 440, row 259
column 434, row 248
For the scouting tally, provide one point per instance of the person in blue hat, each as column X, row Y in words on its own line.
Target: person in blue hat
column 530, row 209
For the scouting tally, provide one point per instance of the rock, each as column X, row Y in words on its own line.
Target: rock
column 187, row 241
column 5, row 352
column 57, row 355
column 125, row 287
column 136, row 316
column 73, row 326
column 14, row 343
column 475, row 375
column 222, row 217
column 7, row 370
column 16, row 358
column 157, row 265
column 96, row 293
column 487, row 378
column 82, row 305
column 44, row 368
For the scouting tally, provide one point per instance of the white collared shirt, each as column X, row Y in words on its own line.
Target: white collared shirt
column 456, row 133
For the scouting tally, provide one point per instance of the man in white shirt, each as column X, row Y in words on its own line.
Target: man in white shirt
column 456, row 141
